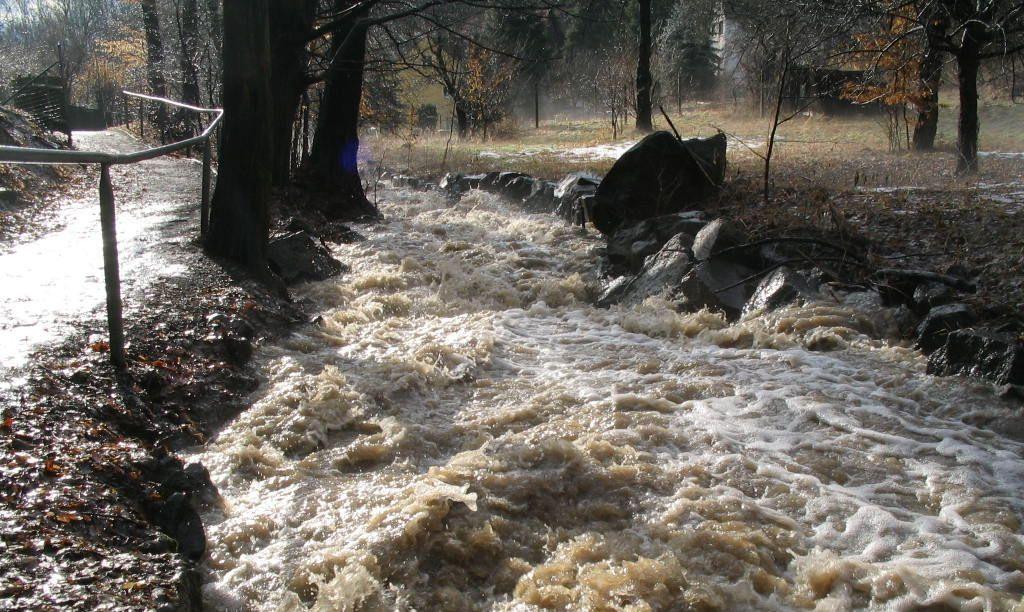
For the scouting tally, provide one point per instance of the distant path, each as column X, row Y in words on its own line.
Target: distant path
column 56, row 280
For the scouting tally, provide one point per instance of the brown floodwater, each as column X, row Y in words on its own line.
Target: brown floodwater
column 465, row 431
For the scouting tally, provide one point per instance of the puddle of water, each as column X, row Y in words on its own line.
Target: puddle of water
column 464, row 431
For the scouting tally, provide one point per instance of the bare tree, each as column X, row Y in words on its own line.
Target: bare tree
column 644, row 80
column 927, row 125
column 972, row 31
column 155, row 61
column 791, row 38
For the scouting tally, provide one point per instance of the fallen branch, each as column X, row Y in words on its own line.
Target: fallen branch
column 793, row 240
column 931, row 277
column 670, row 124
column 783, row 264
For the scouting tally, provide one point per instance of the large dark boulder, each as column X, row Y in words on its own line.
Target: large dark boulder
column 940, row 321
column 300, row 257
column 660, row 175
column 932, row 295
column 457, row 184
column 998, row 357
column 631, row 245
column 177, row 518
column 504, row 180
column 519, row 187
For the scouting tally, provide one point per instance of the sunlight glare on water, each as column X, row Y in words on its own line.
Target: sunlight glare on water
column 465, row 431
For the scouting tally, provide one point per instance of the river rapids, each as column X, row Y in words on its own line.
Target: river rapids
column 463, row 430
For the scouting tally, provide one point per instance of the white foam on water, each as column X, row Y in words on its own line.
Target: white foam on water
column 465, row 431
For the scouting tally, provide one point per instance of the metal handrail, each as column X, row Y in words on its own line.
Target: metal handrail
column 26, row 155
column 111, row 266
column 31, row 82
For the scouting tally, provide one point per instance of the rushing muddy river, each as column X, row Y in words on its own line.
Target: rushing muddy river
column 464, row 431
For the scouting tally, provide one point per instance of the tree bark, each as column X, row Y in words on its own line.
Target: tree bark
column 189, row 35
column 216, row 22
column 536, row 105
column 291, row 22
column 155, row 60
column 188, row 39
column 644, row 81
column 334, row 165
column 968, row 64
column 927, row 125
column 239, row 217
column 461, row 118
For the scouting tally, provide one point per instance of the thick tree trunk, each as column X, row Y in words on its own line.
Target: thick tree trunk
column 334, row 165
column 239, row 217
column 536, row 105
column 968, row 64
column 927, row 125
column 155, row 60
column 644, row 81
column 188, row 39
column 215, row 24
column 189, row 35
column 212, row 52
column 462, row 119
column 291, row 22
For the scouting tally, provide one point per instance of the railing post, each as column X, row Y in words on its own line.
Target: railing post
column 111, row 269
column 204, row 207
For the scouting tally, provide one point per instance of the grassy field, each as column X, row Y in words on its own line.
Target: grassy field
column 811, row 143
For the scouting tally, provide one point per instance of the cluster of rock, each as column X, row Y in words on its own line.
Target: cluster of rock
column 659, row 243
column 571, row 198
column 699, row 263
column 299, row 253
column 958, row 343
column 659, row 175
column 300, row 256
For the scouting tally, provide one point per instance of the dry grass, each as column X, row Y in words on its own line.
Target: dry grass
column 540, row 152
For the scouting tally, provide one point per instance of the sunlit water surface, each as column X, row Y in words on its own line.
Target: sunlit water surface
column 465, row 431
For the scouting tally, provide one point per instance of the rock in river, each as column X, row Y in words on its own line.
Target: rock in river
column 630, row 245
column 942, row 320
column 661, row 274
column 660, row 175
column 780, row 288
column 299, row 257
column 999, row 357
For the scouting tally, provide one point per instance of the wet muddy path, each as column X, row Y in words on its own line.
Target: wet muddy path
column 88, row 518
column 463, row 430
column 56, row 279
